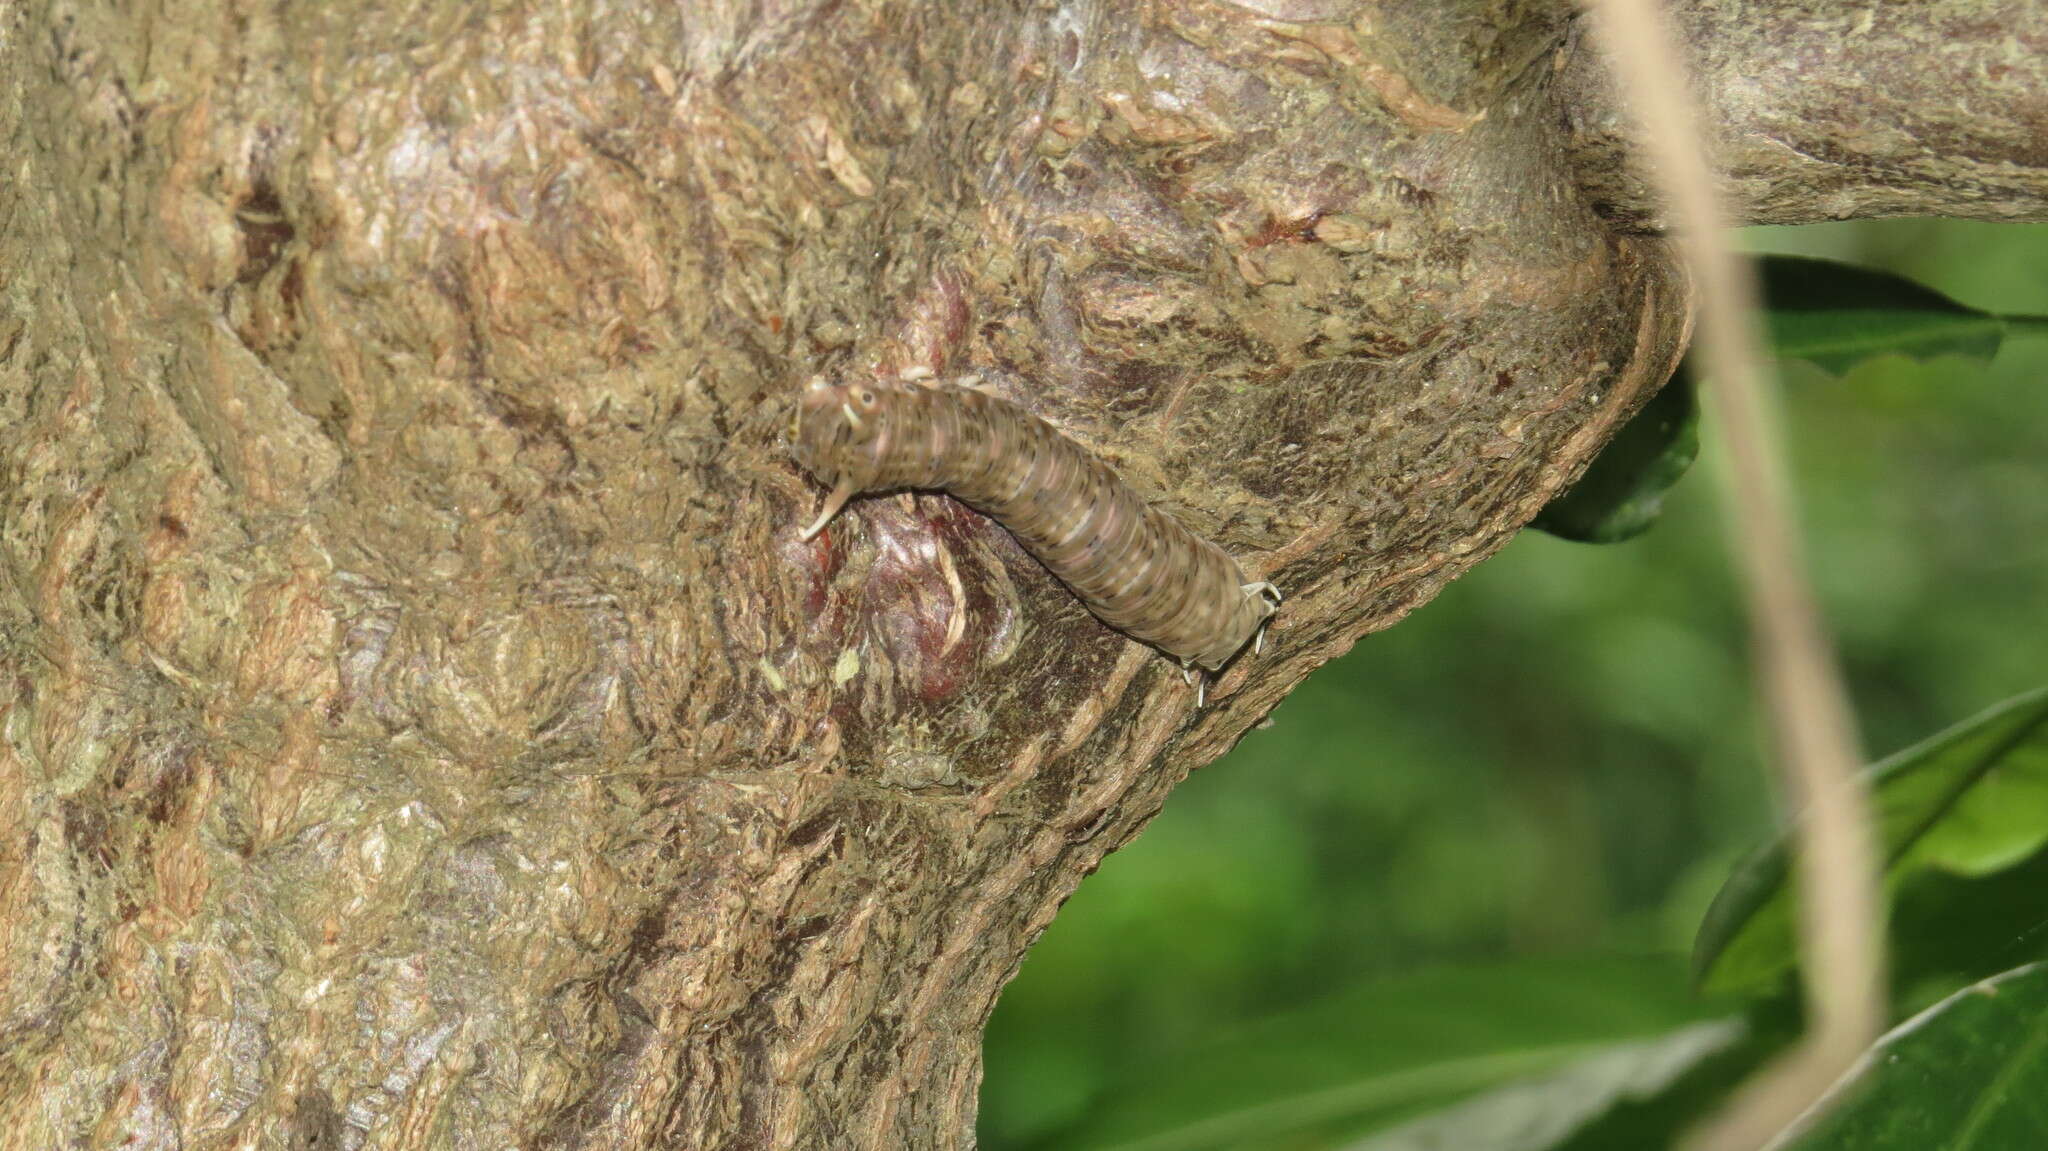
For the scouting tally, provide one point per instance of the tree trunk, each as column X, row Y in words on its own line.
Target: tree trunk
column 420, row 725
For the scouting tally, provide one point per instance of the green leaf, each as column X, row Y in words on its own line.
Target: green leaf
column 1968, row 1074
column 1837, row 315
column 1543, row 1110
column 1972, row 800
column 1833, row 314
column 1622, row 493
column 1512, row 1057
column 1951, row 930
column 1662, row 1120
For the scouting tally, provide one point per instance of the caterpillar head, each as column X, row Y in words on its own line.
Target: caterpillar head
column 839, row 435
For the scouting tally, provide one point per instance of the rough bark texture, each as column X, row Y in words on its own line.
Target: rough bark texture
column 1826, row 110
column 420, row 725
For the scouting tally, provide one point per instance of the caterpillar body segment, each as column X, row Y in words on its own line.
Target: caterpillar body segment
column 1135, row 566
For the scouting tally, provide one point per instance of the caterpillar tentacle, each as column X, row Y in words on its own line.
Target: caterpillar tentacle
column 1137, row 568
column 840, row 493
column 1272, row 596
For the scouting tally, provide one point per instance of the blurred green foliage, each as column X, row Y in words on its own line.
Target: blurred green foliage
column 1973, row 1065
column 1559, row 756
column 1451, row 1049
column 1971, row 801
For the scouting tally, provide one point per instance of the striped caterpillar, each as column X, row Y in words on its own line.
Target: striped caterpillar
column 1136, row 567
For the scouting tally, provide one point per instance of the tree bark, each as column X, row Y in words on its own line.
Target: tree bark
column 420, row 725
column 1830, row 111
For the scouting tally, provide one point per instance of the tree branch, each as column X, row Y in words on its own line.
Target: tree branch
column 1824, row 111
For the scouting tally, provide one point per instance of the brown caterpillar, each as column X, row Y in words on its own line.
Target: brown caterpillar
column 1136, row 567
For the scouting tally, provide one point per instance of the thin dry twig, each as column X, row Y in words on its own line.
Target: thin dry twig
column 1812, row 726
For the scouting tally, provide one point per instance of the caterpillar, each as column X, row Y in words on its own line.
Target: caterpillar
column 1137, row 568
